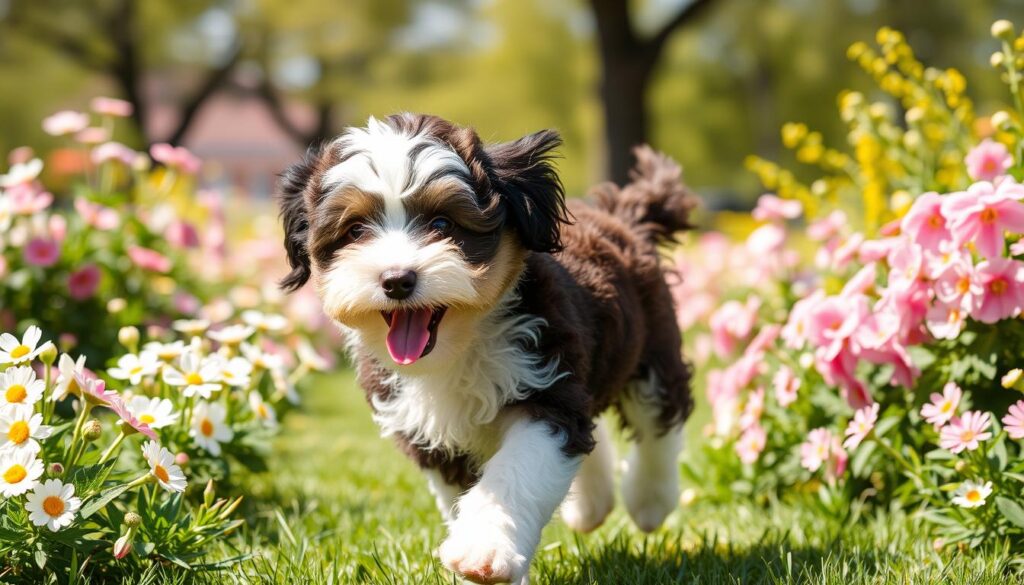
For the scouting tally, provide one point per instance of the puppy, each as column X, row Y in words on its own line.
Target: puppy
column 491, row 323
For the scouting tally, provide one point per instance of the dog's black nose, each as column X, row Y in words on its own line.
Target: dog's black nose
column 398, row 284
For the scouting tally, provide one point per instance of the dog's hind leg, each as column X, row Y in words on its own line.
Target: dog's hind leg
column 650, row 483
column 592, row 495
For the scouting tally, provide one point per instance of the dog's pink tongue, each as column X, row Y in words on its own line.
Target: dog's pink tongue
column 408, row 335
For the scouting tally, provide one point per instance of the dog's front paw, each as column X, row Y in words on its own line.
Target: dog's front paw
column 650, row 495
column 483, row 553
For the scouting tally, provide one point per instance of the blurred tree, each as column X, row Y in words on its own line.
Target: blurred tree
column 627, row 62
column 124, row 40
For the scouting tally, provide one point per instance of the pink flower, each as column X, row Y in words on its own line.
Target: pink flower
column 983, row 213
column 815, row 451
column 58, row 227
column 732, row 323
column 965, row 432
column 833, row 321
column 751, row 443
column 176, row 157
column 121, row 409
column 94, row 390
column 863, row 422
column 65, row 122
column 753, row 410
column 182, row 234
column 943, row 406
column 764, row 338
column 83, row 282
column 798, row 323
column 767, row 239
column 945, row 321
column 847, row 251
column 841, row 371
column 111, row 151
column 988, row 160
column 28, row 198
column 827, row 227
column 92, row 136
column 148, row 259
column 96, row 215
column 956, row 286
column 786, row 386
column 41, row 252
column 862, row 282
column 1013, row 422
column 1002, row 283
column 924, row 222
column 772, row 208
column 875, row 250
column 106, row 106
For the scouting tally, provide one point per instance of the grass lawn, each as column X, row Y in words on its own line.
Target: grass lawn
column 343, row 506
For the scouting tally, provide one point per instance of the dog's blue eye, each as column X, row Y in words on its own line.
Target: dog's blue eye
column 441, row 225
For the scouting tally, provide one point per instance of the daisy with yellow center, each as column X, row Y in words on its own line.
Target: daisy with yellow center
column 19, row 471
column 134, row 368
column 262, row 410
column 191, row 327
column 972, row 494
column 15, row 351
column 261, row 359
column 66, row 381
column 19, row 386
column 264, row 322
column 162, row 467
column 167, row 352
column 232, row 335
column 20, row 428
column 199, row 376
column 155, row 412
column 209, row 428
column 236, row 372
column 52, row 504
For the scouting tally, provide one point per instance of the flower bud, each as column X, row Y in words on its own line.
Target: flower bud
column 132, row 520
column 208, row 494
column 938, row 544
column 116, row 305
column 48, row 355
column 181, row 459
column 960, row 466
column 129, row 337
column 141, row 163
column 123, row 545
column 997, row 59
column 1002, row 29
column 55, row 468
column 92, row 430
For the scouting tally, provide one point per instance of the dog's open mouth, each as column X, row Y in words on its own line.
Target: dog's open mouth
column 412, row 333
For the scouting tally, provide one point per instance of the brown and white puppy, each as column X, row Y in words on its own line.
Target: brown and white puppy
column 490, row 331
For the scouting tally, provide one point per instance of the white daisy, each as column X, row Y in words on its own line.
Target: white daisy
column 260, row 359
column 265, row 322
column 208, row 426
column 66, row 383
column 162, row 467
column 309, row 357
column 232, row 334
column 52, row 504
column 191, row 327
column 167, row 352
column 20, row 386
column 972, row 494
column 13, row 351
column 236, row 372
column 19, row 470
column 282, row 385
column 199, row 376
column 155, row 412
column 6, row 212
column 21, row 173
column 20, row 428
column 263, row 411
column 133, row 367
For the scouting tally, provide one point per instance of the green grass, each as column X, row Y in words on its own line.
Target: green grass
column 343, row 506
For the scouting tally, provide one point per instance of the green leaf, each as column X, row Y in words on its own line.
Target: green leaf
column 1011, row 510
column 103, row 499
column 40, row 556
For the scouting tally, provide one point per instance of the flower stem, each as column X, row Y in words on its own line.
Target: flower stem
column 110, row 450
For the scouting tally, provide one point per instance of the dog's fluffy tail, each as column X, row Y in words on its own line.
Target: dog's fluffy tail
column 655, row 201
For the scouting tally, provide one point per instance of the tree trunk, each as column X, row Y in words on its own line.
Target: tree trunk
column 624, row 93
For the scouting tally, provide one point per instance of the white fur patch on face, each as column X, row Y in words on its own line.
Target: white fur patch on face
column 390, row 163
column 352, row 283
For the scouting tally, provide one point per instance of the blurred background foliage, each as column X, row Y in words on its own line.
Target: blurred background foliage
column 247, row 84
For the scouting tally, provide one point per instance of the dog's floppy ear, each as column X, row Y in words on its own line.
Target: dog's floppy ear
column 530, row 189
column 291, row 198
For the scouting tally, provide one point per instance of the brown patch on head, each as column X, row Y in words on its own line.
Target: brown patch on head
column 332, row 220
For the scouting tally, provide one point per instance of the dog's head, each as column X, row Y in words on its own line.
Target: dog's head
column 411, row 221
